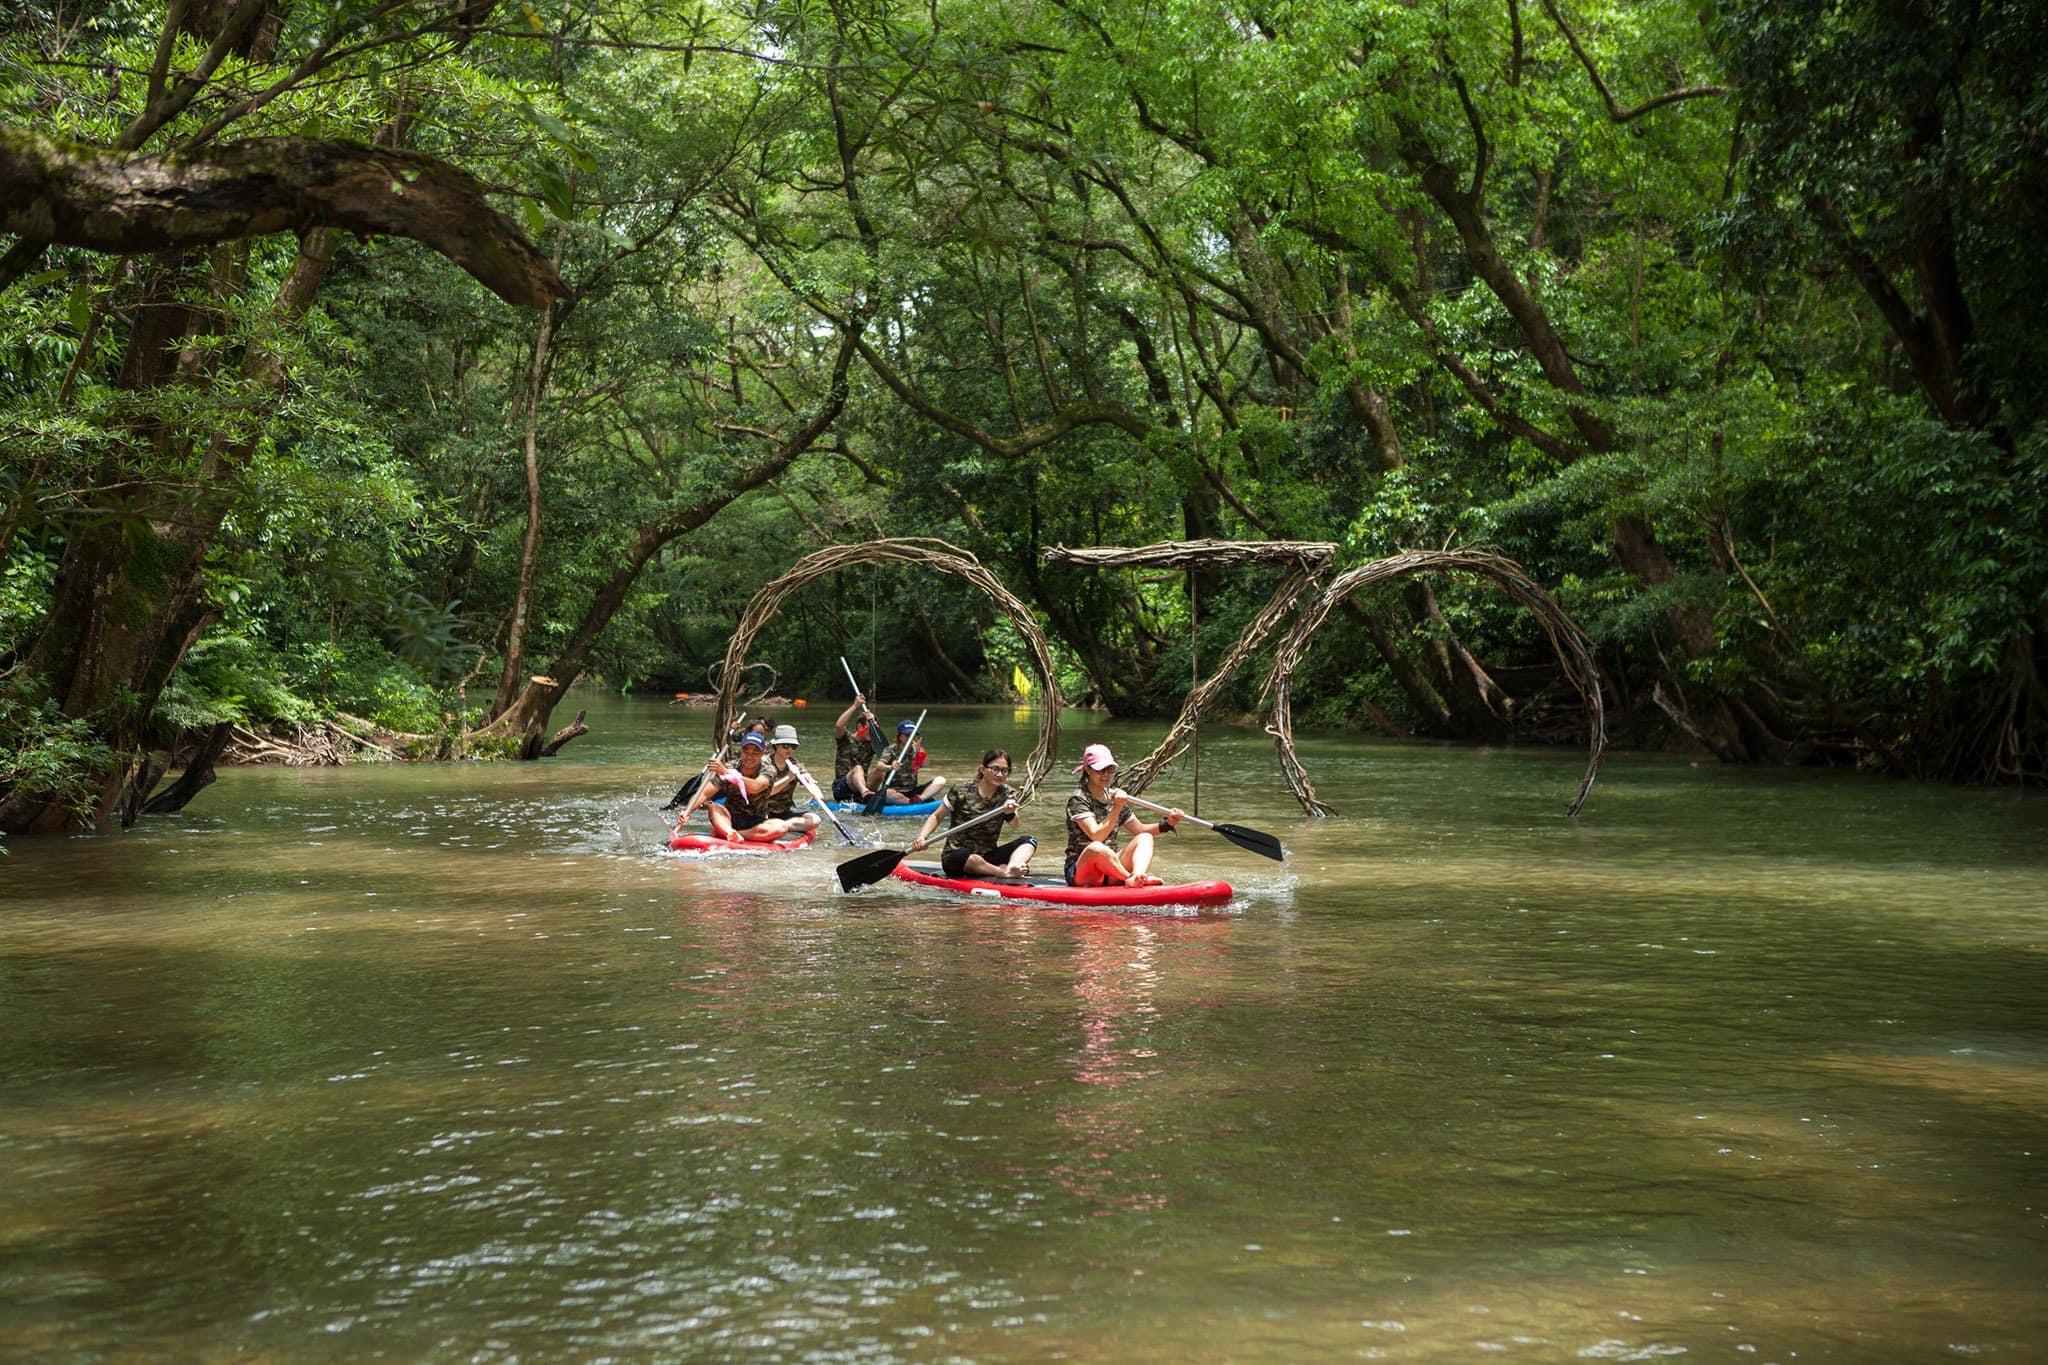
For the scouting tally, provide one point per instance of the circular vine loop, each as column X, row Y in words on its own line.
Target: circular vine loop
column 923, row 552
column 1574, row 651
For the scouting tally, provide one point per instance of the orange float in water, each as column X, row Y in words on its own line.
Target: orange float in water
column 798, row 702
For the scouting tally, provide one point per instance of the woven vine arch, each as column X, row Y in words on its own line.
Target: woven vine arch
column 923, row 552
column 1305, row 561
column 1574, row 651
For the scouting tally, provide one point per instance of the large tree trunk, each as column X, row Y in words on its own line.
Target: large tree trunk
column 129, row 599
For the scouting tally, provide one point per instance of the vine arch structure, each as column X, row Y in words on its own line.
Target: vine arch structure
column 1574, row 651
column 1306, row 561
column 925, row 553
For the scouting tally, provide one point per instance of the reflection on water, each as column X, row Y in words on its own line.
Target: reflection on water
column 451, row 1061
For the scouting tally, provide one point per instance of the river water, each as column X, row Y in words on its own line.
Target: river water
column 446, row 1062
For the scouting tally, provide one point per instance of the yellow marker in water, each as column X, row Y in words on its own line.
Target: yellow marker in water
column 1020, row 680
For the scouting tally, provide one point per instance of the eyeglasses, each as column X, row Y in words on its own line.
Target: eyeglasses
column 1003, row 771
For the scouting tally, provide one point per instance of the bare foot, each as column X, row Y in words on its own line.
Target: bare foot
column 1145, row 879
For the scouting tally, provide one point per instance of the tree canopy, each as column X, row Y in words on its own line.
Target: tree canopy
column 396, row 364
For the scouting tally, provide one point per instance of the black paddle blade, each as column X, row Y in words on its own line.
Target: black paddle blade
column 1256, row 841
column 685, row 792
column 873, row 804
column 869, row 867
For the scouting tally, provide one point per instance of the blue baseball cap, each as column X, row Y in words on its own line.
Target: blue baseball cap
column 904, row 727
column 759, row 743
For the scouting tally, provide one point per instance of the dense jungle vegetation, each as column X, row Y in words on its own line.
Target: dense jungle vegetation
column 363, row 361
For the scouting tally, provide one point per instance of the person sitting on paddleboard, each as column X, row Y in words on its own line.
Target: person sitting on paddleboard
column 976, row 853
column 779, row 800
column 906, row 787
column 853, row 752
column 1095, row 814
column 743, row 815
column 710, row 790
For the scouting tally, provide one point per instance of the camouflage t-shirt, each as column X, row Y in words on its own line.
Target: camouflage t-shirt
column 906, row 779
column 852, row 750
column 776, row 805
column 1081, row 803
column 965, row 802
column 745, row 797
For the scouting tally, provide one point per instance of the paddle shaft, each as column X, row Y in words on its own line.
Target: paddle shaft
column 903, row 751
column 1164, row 810
column 1251, row 840
column 810, row 785
column 980, row 819
column 855, row 685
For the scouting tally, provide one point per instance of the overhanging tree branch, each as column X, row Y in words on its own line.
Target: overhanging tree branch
column 74, row 195
column 1615, row 111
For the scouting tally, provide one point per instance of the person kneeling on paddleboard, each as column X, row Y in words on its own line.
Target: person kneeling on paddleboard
column 976, row 852
column 853, row 752
column 1095, row 814
column 906, row 786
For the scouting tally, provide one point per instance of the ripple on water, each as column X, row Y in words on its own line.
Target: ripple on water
column 440, row 1061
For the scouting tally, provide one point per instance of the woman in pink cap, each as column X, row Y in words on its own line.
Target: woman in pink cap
column 1095, row 814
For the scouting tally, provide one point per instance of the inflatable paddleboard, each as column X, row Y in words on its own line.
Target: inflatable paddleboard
column 711, row 843
column 914, row 808
column 1055, row 891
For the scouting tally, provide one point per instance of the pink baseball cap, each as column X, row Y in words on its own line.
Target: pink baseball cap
column 1096, row 756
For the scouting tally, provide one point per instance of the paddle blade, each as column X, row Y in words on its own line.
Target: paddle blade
column 1255, row 841
column 869, row 868
column 873, row 804
column 685, row 792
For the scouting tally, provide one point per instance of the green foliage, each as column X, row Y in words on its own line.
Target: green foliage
column 1384, row 274
column 44, row 751
column 24, row 596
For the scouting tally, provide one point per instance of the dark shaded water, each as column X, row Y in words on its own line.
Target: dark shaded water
column 442, row 1062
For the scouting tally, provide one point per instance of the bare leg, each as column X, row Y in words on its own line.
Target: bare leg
column 1136, row 857
column 767, row 832
column 1099, row 865
column 1019, row 864
column 721, row 822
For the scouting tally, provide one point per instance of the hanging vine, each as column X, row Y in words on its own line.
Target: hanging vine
column 1306, row 560
column 1308, row 564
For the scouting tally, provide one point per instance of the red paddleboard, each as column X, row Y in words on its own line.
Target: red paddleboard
column 706, row 843
column 1055, row 891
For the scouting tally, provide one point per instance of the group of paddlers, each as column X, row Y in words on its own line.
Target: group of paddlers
column 759, row 780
